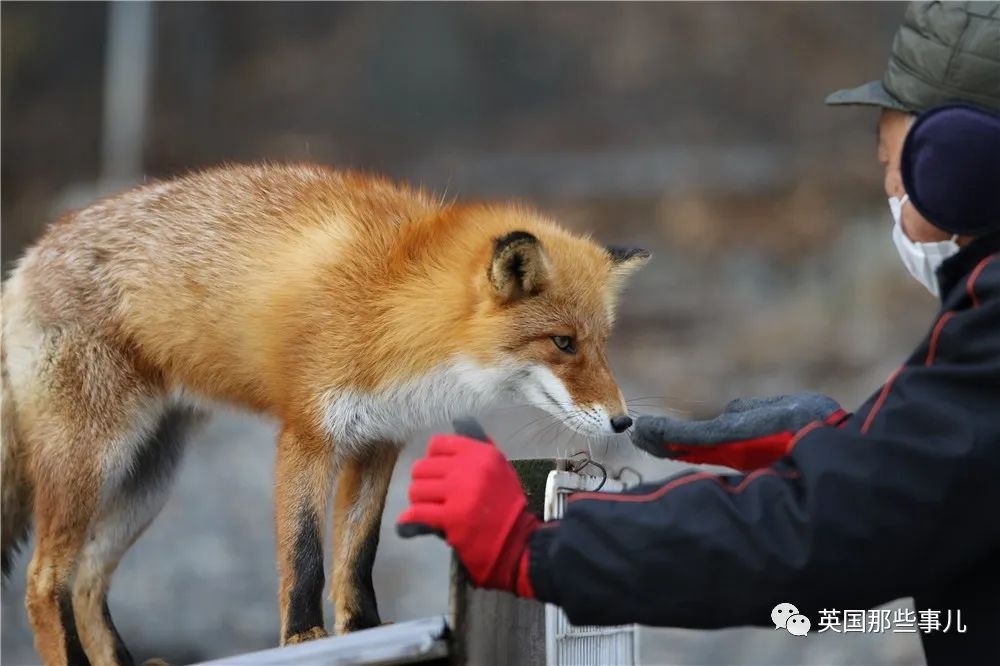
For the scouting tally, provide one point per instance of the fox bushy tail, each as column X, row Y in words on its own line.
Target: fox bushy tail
column 16, row 491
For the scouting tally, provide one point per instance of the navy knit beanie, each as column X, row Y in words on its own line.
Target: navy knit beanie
column 951, row 168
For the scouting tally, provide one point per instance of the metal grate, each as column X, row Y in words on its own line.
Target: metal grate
column 566, row 644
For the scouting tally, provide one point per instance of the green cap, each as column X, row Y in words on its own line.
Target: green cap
column 943, row 52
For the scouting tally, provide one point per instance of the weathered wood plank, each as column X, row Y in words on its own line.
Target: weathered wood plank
column 418, row 641
column 496, row 628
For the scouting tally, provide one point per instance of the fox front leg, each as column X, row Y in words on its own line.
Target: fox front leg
column 302, row 489
column 357, row 514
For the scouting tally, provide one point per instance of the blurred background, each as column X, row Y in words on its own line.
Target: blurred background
column 696, row 130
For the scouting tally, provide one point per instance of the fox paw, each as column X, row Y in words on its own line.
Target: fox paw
column 356, row 624
column 307, row 635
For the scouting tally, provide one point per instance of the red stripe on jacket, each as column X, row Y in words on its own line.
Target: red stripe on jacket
column 970, row 284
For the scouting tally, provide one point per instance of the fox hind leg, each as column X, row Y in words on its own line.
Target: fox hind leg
column 61, row 524
column 361, row 489
column 85, row 409
column 129, row 507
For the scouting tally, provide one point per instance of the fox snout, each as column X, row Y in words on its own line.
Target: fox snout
column 580, row 400
column 596, row 404
column 605, row 421
column 621, row 423
column 597, row 421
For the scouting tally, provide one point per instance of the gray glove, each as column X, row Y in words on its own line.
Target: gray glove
column 750, row 433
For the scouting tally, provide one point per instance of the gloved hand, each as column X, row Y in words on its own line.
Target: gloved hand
column 467, row 492
column 749, row 434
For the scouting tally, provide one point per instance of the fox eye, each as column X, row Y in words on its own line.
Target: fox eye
column 564, row 343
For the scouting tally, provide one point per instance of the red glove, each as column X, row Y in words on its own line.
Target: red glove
column 466, row 491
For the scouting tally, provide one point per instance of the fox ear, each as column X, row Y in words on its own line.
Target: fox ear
column 519, row 267
column 626, row 260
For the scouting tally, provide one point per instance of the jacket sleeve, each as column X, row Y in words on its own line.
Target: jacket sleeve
column 853, row 517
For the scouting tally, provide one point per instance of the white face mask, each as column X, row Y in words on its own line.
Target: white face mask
column 922, row 260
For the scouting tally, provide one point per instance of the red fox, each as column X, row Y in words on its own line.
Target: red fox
column 352, row 309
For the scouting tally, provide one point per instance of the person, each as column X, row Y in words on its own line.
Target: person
column 832, row 511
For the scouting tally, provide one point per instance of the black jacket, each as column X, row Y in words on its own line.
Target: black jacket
column 899, row 500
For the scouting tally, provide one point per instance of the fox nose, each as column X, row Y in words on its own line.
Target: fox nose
column 620, row 423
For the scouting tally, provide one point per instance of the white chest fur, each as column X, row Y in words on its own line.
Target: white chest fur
column 357, row 419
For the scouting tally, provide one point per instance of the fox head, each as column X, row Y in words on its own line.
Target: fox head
column 546, row 303
column 448, row 314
